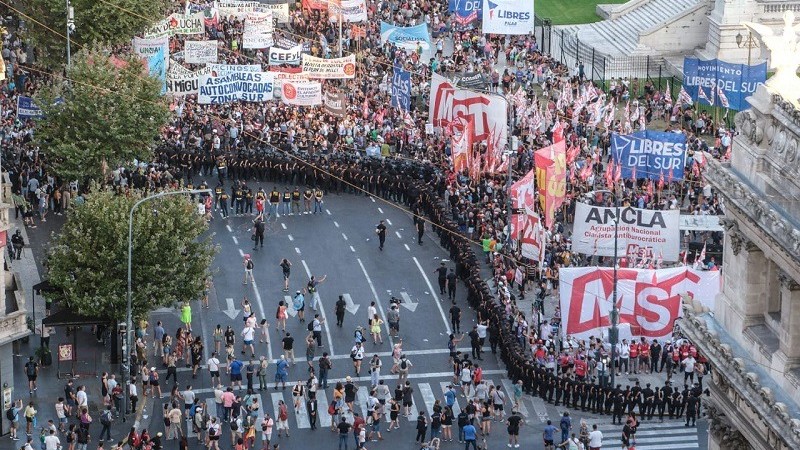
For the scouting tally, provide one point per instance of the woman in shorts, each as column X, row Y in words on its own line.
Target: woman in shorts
column 214, row 431
column 394, row 412
column 154, row 385
column 280, row 316
column 447, row 424
column 286, row 267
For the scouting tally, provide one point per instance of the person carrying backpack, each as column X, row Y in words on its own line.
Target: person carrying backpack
column 566, row 426
column 106, row 418
column 402, row 369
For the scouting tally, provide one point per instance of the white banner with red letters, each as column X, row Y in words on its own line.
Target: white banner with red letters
column 642, row 234
column 331, row 69
column 648, row 300
column 526, row 226
column 488, row 112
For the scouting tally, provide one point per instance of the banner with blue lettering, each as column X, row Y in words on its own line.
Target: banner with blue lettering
column 406, row 37
column 401, row 89
column 465, row 12
column 736, row 81
column 651, row 154
column 27, row 108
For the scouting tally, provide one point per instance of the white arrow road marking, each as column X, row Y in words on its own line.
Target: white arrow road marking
column 377, row 301
column 289, row 306
column 407, row 303
column 351, row 307
column 435, row 297
column 231, row 311
column 322, row 313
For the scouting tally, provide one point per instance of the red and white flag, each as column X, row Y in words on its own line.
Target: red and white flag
column 701, row 94
column 461, row 146
column 723, row 99
column 684, row 97
column 667, row 92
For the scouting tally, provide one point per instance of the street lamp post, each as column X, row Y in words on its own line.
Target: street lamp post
column 613, row 333
column 70, row 29
column 749, row 43
column 128, row 313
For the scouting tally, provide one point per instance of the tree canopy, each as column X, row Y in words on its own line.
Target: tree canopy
column 109, row 113
column 111, row 22
column 172, row 254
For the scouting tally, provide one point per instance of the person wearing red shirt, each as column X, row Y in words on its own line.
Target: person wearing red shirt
column 633, row 357
column 644, row 356
column 580, row 368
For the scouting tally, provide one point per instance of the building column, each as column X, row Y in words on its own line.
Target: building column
column 745, row 282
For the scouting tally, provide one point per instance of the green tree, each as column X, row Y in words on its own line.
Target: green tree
column 105, row 116
column 172, row 254
column 96, row 21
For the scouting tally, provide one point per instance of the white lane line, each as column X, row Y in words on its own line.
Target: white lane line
column 301, row 415
column 235, row 240
column 337, row 226
column 297, row 250
column 388, row 221
column 372, row 198
column 398, row 235
column 283, row 225
column 328, row 211
column 322, row 313
column 344, row 236
column 508, row 385
column 229, row 228
column 406, row 246
column 241, row 252
column 377, row 301
column 352, row 249
column 435, row 297
column 381, row 211
column 290, row 237
column 427, row 396
column 362, row 397
column 263, row 316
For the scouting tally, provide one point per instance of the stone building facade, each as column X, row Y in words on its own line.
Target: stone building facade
column 752, row 337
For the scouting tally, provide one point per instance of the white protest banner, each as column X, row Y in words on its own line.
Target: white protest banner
column 241, row 86
column 182, row 81
column 351, row 10
column 641, row 233
column 488, row 112
column 280, row 77
column 280, row 11
column 236, row 8
column 507, row 16
column 279, row 56
column 147, row 47
column 200, row 52
column 257, row 30
column 220, row 70
column 177, row 24
column 302, row 93
column 336, row 68
column 648, row 300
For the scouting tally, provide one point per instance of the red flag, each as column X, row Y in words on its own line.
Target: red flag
column 618, row 173
column 461, row 147
column 558, row 132
column 696, row 170
column 650, row 188
column 610, row 175
column 633, row 173
column 661, row 181
column 670, row 175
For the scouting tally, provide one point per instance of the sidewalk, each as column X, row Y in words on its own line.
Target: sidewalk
column 92, row 357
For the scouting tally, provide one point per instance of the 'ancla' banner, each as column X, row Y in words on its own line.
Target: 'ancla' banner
column 336, row 68
column 551, row 179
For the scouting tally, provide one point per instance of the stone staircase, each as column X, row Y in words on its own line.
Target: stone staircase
column 638, row 28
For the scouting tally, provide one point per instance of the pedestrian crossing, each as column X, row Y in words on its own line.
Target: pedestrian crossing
column 667, row 435
column 424, row 398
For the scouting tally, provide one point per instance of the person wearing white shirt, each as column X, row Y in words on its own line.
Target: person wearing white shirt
column 623, row 354
column 688, row 368
column 595, row 438
column 213, row 368
column 248, row 334
column 51, row 442
column 83, row 399
column 133, row 395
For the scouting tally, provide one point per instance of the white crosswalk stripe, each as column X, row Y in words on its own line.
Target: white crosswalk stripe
column 323, row 403
column 427, row 396
column 301, row 415
column 671, row 435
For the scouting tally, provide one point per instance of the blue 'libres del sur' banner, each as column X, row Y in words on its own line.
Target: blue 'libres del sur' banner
column 737, row 81
column 401, row 89
column 652, row 153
